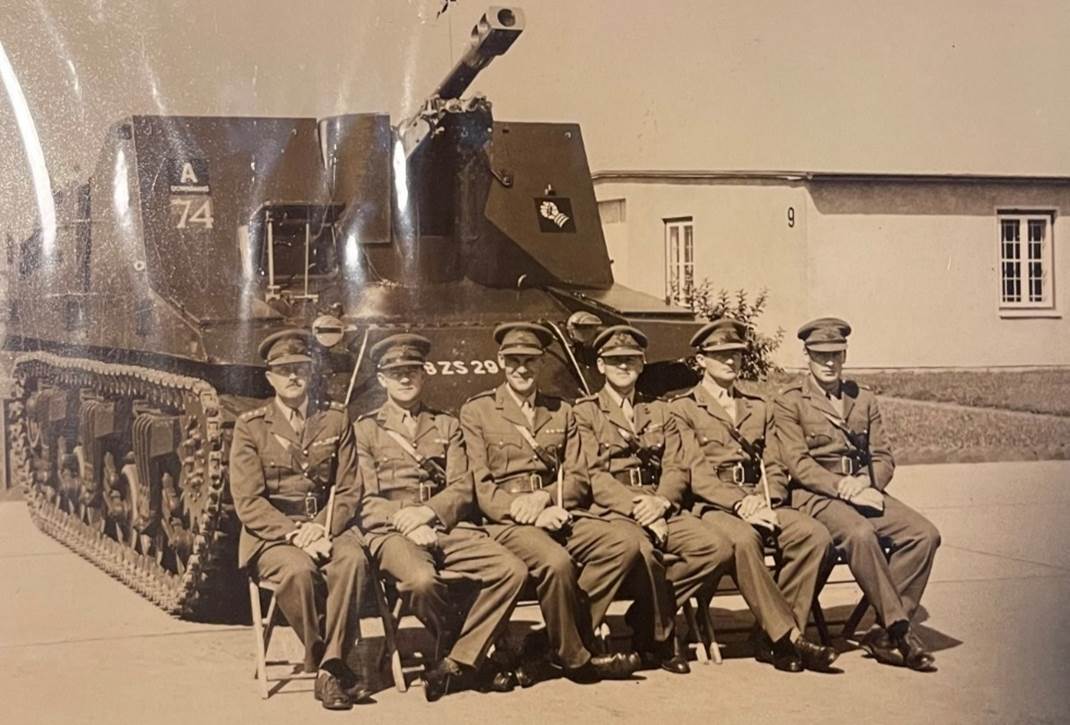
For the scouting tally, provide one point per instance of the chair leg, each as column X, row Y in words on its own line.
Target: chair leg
column 816, row 611
column 705, row 623
column 390, row 617
column 702, row 647
column 261, row 646
column 855, row 619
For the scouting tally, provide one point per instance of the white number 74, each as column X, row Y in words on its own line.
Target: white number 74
column 202, row 216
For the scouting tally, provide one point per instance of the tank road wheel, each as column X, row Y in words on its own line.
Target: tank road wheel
column 127, row 466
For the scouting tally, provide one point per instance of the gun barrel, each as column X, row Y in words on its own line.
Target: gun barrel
column 491, row 37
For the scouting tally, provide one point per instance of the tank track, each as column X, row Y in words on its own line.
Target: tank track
column 211, row 560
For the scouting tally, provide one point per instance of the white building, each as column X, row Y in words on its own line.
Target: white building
column 931, row 270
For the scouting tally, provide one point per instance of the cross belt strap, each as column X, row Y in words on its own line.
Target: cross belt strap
column 548, row 459
column 432, row 469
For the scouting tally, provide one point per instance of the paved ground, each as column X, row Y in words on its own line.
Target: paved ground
column 76, row 647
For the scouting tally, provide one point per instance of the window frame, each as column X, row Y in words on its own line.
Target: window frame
column 679, row 261
column 1024, row 259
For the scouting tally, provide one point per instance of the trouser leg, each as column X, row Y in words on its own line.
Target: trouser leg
column 652, row 612
column 300, row 595
column 606, row 552
column 752, row 577
column 501, row 576
column 805, row 548
column 856, row 535
column 345, row 574
column 557, row 586
column 704, row 557
column 413, row 568
column 914, row 544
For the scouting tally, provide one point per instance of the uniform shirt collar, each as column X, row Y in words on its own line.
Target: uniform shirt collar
column 287, row 411
column 529, row 399
column 618, row 398
column 835, row 395
column 393, row 408
column 724, row 396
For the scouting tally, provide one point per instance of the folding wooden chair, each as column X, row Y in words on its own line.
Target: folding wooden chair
column 390, row 591
column 264, row 625
column 855, row 618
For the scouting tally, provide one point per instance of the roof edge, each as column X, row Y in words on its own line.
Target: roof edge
column 678, row 175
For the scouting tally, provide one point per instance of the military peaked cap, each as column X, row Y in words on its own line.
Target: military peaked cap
column 619, row 341
column 825, row 334
column 721, row 335
column 285, row 347
column 402, row 350
column 521, row 338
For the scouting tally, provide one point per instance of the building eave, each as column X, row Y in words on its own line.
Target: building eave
column 698, row 175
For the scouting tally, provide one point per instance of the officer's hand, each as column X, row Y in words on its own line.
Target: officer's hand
column 423, row 536
column 319, row 549
column 527, row 507
column 646, row 509
column 660, row 531
column 552, row 518
column 750, row 505
column 851, row 486
column 307, row 533
column 411, row 517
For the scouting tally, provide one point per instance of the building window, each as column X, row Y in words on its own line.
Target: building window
column 1025, row 259
column 680, row 260
column 612, row 211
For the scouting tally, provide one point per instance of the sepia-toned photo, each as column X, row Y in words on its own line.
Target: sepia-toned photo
column 425, row 360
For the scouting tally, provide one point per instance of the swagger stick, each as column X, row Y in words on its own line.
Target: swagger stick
column 349, row 395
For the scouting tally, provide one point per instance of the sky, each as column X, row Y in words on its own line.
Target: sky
column 832, row 85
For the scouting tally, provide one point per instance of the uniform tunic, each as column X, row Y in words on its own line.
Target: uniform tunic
column 717, row 461
column 818, row 455
column 277, row 478
column 392, row 479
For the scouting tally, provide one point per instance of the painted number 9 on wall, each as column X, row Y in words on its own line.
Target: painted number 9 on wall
column 791, row 217
column 460, row 367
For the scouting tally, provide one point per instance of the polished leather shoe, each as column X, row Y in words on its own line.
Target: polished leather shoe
column 357, row 690
column 666, row 656
column 815, row 657
column 613, row 667
column 442, row 679
column 329, row 691
column 531, row 669
column 916, row 655
column 492, row 678
column 878, row 645
column 786, row 656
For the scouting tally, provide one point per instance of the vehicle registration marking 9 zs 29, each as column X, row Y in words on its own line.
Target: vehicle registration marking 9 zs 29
column 460, row 367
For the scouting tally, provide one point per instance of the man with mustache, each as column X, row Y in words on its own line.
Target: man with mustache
column 284, row 458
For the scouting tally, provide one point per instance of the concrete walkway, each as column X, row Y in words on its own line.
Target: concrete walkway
column 77, row 647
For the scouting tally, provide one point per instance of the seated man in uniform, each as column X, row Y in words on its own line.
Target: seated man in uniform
column 524, row 452
column 738, row 485
column 632, row 450
column 284, row 458
column 834, row 447
column 418, row 500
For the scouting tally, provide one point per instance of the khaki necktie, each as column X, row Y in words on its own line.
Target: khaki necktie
column 629, row 412
column 529, row 412
column 409, row 423
column 297, row 421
